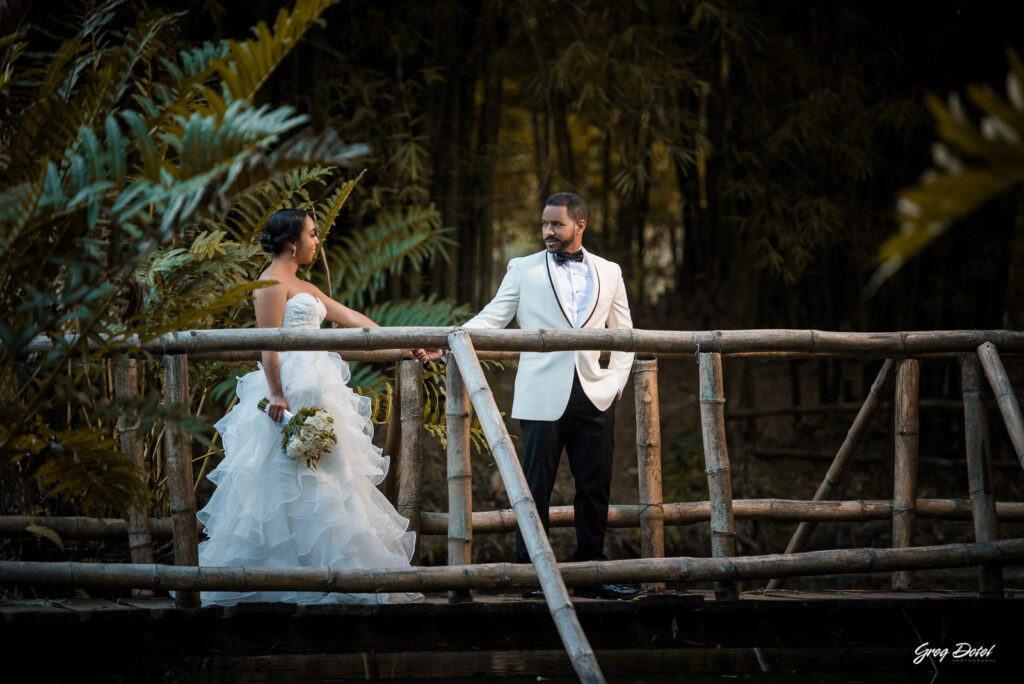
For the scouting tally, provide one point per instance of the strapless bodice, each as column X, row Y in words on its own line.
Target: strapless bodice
column 303, row 311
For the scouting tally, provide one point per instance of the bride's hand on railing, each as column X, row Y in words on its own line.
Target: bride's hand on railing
column 430, row 355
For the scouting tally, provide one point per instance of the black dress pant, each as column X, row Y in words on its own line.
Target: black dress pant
column 587, row 435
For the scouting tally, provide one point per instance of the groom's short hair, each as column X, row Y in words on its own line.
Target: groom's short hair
column 573, row 203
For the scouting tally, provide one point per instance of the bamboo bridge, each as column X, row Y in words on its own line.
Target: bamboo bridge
column 661, row 617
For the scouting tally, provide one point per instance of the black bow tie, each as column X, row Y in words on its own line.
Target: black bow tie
column 562, row 257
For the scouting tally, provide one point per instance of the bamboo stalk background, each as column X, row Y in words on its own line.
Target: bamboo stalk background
column 541, row 555
column 180, row 485
column 410, row 489
column 771, row 342
column 979, row 472
column 619, row 516
column 1005, row 397
column 507, row 576
column 844, row 457
column 716, row 460
column 140, row 543
column 460, row 475
column 905, row 469
column 648, row 461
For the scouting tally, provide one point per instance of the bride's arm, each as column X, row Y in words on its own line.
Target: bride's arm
column 269, row 303
column 342, row 315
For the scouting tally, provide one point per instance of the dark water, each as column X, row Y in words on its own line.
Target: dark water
column 701, row 666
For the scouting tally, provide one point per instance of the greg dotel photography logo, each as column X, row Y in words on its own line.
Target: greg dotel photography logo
column 961, row 652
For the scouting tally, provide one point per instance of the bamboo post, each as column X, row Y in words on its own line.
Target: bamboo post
column 393, row 441
column 180, row 484
column 844, row 457
column 543, row 558
column 905, row 471
column 1005, row 397
column 140, row 543
column 460, row 475
column 648, row 462
column 410, row 488
column 716, row 462
column 979, row 472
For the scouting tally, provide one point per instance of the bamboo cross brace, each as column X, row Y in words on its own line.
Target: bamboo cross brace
column 1005, row 397
column 507, row 576
column 541, row 555
column 844, row 457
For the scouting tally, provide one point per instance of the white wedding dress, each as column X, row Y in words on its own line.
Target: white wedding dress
column 271, row 510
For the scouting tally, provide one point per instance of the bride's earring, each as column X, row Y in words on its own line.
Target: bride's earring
column 294, row 250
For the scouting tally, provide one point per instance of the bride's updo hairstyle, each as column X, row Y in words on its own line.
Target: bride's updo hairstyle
column 283, row 227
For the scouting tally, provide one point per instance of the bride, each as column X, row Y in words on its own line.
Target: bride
column 272, row 510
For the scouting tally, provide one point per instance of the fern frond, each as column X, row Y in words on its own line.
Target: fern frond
column 363, row 260
column 250, row 62
column 331, row 207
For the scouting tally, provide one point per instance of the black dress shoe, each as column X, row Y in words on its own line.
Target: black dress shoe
column 533, row 594
column 605, row 591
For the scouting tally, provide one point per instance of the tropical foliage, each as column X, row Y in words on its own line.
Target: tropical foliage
column 974, row 164
column 130, row 173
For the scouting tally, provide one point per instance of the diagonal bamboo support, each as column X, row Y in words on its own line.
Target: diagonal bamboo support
column 541, row 555
column 979, row 472
column 716, row 461
column 844, row 457
column 1007, row 400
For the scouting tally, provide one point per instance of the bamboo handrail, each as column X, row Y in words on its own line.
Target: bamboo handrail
column 1005, row 397
column 541, row 555
column 979, row 472
column 460, row 475
column 619, row 516
column 725, row 342
column 499, row 576
column 844, row 457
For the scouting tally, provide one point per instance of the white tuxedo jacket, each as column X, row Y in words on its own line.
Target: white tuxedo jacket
column 530, row 293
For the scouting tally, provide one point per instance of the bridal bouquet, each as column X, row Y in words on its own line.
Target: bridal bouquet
column 307, row 435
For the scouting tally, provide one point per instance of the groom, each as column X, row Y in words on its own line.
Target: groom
column 565, row 399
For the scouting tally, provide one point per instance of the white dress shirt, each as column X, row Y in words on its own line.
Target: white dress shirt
column 575, row 287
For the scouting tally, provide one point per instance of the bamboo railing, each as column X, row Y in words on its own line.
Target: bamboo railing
column 904, row 351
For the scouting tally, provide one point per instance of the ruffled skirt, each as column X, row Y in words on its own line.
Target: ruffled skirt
column 271, row 510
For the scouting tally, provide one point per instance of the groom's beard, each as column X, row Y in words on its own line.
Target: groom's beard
column 555, row 245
